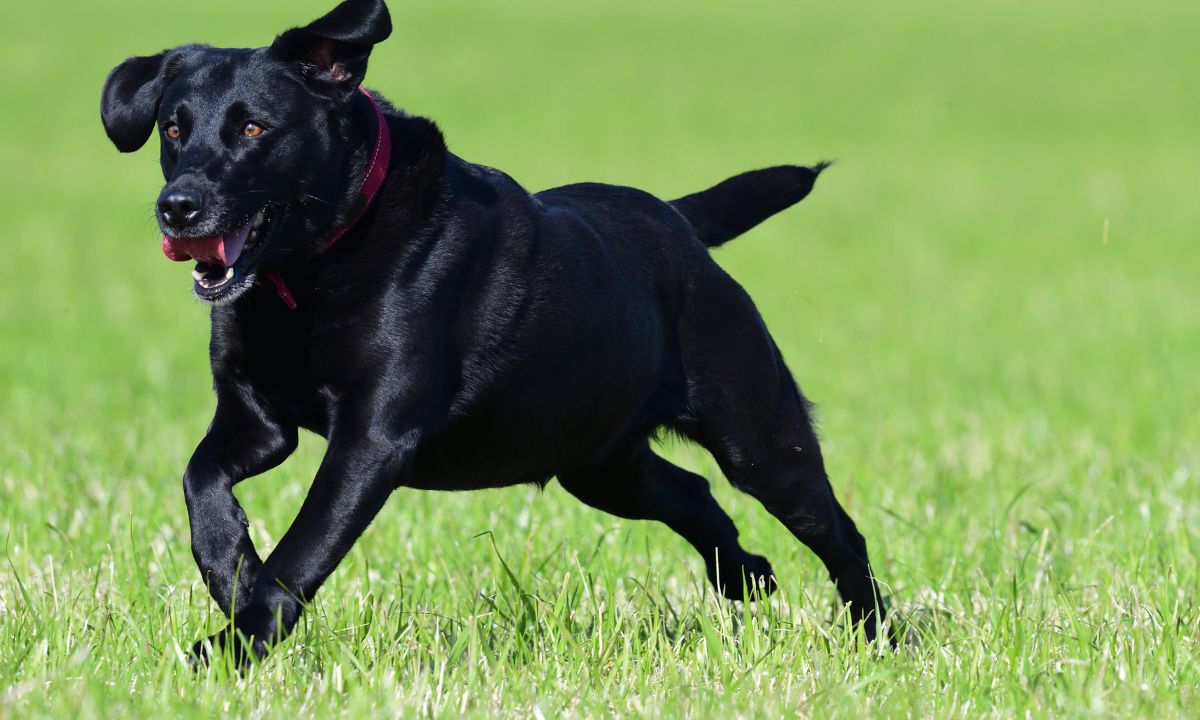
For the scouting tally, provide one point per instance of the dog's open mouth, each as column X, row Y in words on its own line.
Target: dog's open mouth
column 223, row 262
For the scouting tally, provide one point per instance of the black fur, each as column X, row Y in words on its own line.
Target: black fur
column 465, row 333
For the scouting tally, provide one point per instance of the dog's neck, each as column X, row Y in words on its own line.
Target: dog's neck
column 377, row 154
column 410, row 183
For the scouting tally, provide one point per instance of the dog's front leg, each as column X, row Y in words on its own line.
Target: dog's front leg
column 242, row 441
column 357, row 475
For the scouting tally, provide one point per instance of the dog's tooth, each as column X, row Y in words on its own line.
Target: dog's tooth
column 228, row 273
column 197, row 274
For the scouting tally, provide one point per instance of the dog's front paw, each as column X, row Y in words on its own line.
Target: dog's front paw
column 230, row 643
column 750, row 578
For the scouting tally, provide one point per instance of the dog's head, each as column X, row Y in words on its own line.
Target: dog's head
column 254, row 142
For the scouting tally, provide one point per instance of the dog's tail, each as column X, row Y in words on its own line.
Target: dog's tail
column 732, row 207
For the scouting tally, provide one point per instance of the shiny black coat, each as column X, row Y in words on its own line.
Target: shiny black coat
column 466, row 333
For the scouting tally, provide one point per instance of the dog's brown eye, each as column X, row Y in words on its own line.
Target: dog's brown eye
column 252, row 129
column 172, row 131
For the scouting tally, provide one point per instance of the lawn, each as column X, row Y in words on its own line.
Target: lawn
column 993, row 297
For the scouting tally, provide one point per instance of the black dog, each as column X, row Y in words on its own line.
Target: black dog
column 460, row 333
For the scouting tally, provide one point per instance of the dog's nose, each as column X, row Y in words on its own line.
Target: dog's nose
column 180, row 207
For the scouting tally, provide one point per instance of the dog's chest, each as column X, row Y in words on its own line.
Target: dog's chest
column 301, row 365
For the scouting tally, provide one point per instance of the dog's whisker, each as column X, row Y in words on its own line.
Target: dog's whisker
column 306, row 196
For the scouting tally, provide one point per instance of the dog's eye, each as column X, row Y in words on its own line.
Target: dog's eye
column 172, row 131
column 252, row 129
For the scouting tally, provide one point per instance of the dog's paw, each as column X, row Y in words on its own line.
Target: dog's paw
column 750, row 579
column 228, row 643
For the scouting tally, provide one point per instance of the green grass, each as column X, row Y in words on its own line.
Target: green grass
column 993, row 298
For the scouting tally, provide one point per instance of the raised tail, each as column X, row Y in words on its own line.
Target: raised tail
column 732, row 207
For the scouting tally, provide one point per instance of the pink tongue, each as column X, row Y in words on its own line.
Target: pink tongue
column 224, row 249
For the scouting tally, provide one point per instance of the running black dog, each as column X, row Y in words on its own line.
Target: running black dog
column 445, row 329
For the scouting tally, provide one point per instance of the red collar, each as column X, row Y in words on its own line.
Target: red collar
column 373, row 180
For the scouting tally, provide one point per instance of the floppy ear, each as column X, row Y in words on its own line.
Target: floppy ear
column 129, row 103
column 333, row 50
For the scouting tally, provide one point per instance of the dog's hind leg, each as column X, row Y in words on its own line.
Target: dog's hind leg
column 744, row 407
column 636, row 484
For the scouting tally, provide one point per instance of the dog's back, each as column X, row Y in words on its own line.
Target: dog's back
column 577, row 319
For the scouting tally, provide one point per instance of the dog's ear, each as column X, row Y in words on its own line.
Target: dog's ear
column 333, row 50
column 129, row 102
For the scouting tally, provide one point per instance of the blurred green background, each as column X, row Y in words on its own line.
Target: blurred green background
column 992, row 297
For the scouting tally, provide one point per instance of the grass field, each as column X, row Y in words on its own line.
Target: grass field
column 994, row 298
